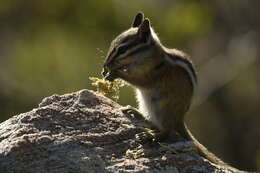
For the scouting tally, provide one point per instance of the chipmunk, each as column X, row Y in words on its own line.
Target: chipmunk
column 165, row 79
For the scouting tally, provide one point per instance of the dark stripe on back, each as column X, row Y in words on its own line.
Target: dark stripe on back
column 188, row 62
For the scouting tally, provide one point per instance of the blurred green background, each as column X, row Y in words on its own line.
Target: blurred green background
column 53, row 46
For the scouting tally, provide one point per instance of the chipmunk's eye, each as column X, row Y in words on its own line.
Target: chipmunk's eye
column 121, row 49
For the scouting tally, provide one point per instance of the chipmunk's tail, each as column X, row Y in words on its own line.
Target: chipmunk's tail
column 203, row 151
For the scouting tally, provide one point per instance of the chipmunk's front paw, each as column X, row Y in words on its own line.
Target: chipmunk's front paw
column 132, row 111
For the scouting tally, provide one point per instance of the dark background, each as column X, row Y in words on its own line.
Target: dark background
column 53, row 46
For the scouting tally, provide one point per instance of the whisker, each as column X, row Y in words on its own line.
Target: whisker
column 100, row 51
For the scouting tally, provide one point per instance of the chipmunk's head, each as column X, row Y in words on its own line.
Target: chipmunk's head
column 132, row 54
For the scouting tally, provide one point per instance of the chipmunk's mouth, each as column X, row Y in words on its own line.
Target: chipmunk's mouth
column 109, row 75
column 112, row 74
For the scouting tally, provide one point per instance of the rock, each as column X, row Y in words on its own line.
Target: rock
column 83, row 132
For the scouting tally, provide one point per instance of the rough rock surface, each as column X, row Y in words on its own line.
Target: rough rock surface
column 83, row 132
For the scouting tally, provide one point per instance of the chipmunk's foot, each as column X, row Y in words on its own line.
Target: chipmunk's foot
column 151, row 132
column 149, row 136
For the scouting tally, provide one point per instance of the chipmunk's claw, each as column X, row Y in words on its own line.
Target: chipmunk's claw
column 145, row 137
column 151, row 136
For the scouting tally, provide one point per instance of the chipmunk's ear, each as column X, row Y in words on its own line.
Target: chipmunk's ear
column 144, row 29
column 138, row 19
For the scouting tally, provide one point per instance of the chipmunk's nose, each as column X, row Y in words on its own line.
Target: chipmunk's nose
column 106, row 67
column 104, row 71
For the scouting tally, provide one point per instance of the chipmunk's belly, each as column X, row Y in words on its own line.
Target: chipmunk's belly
column 150, row 105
